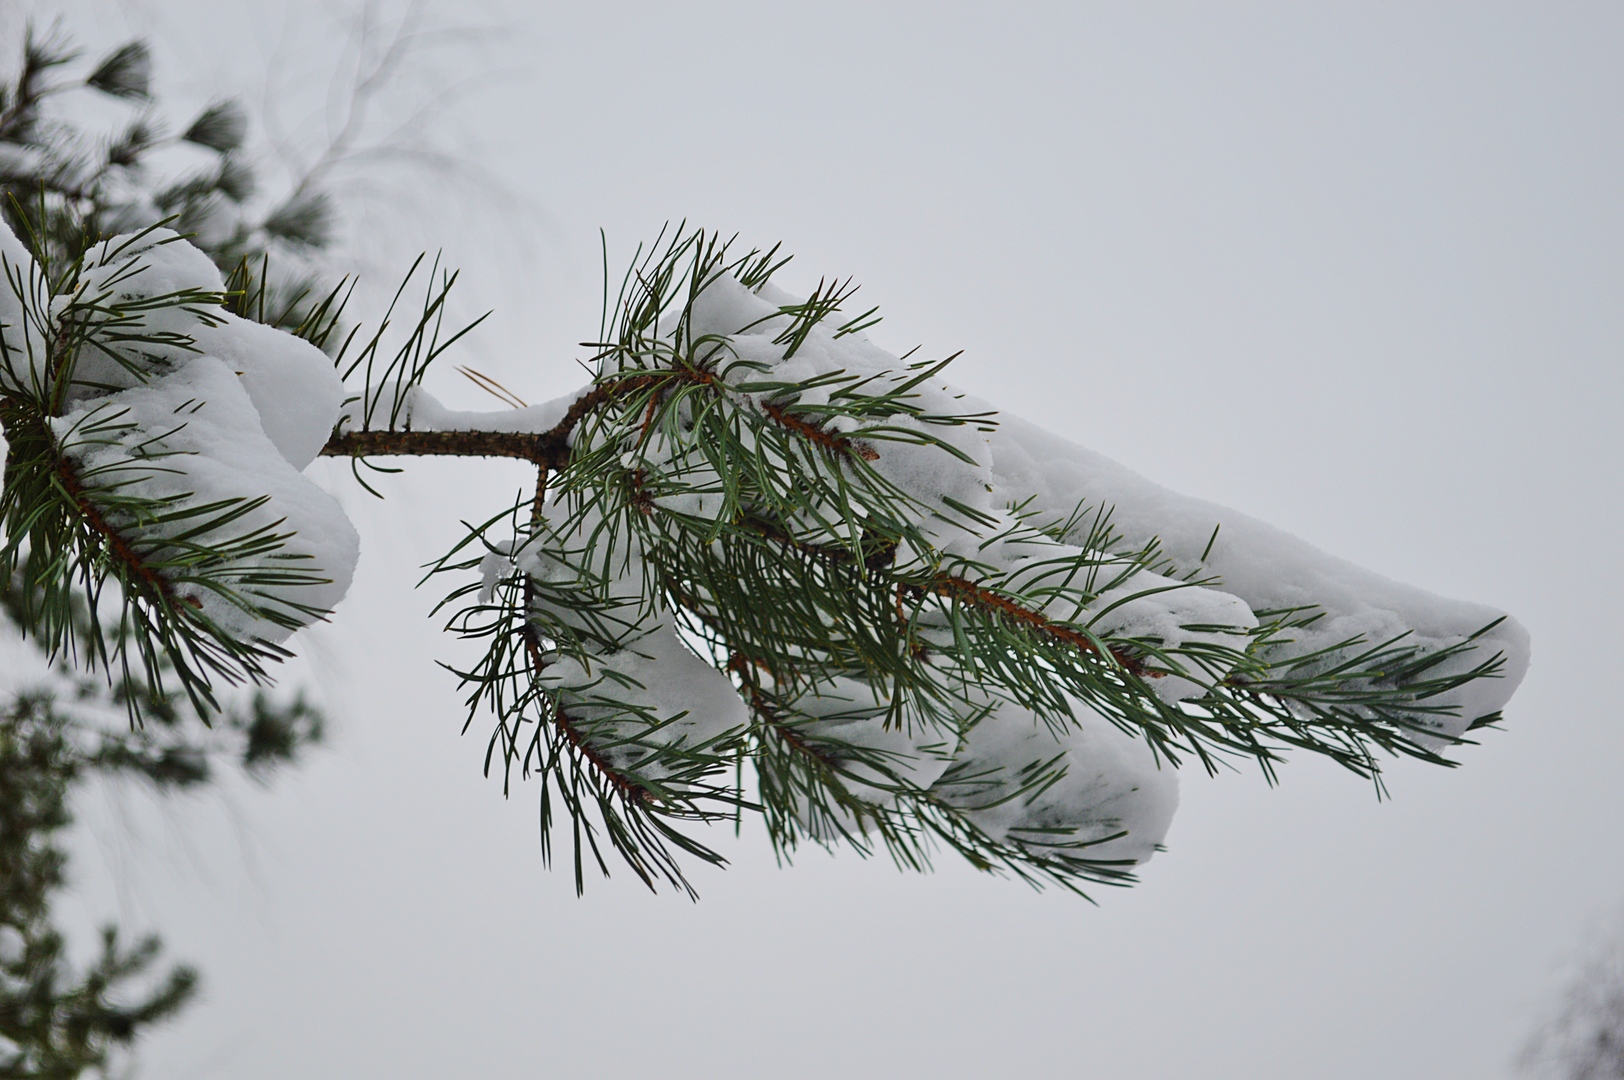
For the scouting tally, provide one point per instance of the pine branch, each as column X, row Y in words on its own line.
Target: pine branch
column 744, row 543
column 774, row 569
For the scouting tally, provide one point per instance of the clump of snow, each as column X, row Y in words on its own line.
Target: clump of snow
column 193, row 439
column 1112, row 794
column 877, row 754
column 292, row 384
column 1174, row 614
column 179, row 405
column 881, row 749
column 1265, row 567
column 909, row 448
column 22, row 298
column 141, row 295
column 139, row 278
column 423, row 412
column 648, row 697
column 617, row 666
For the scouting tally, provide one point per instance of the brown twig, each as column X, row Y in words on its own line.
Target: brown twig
column 539, row 449
column 836, row 444
column 548, row 449
column 119, row 546
column 764, row 709
column 970, row 593
column 629, row 791
column 967, row 592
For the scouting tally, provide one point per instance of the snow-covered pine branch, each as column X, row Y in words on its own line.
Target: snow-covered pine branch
column 755, row 536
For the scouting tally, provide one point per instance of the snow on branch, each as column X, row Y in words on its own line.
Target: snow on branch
column 754, row 537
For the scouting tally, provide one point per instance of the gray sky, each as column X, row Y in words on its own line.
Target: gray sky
column 1354, row 270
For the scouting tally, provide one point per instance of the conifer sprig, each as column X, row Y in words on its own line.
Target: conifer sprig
column 765, row 527
column 81, row 523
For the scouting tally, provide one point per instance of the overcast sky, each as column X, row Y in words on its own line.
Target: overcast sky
column 1352, row 269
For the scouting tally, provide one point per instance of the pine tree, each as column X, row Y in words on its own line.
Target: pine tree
column 56, row 1021
column 1584, row 1040
column 67, row 718
column 765, row 567
column 67, row 185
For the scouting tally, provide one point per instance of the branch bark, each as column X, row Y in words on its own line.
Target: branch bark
column 547, row 450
